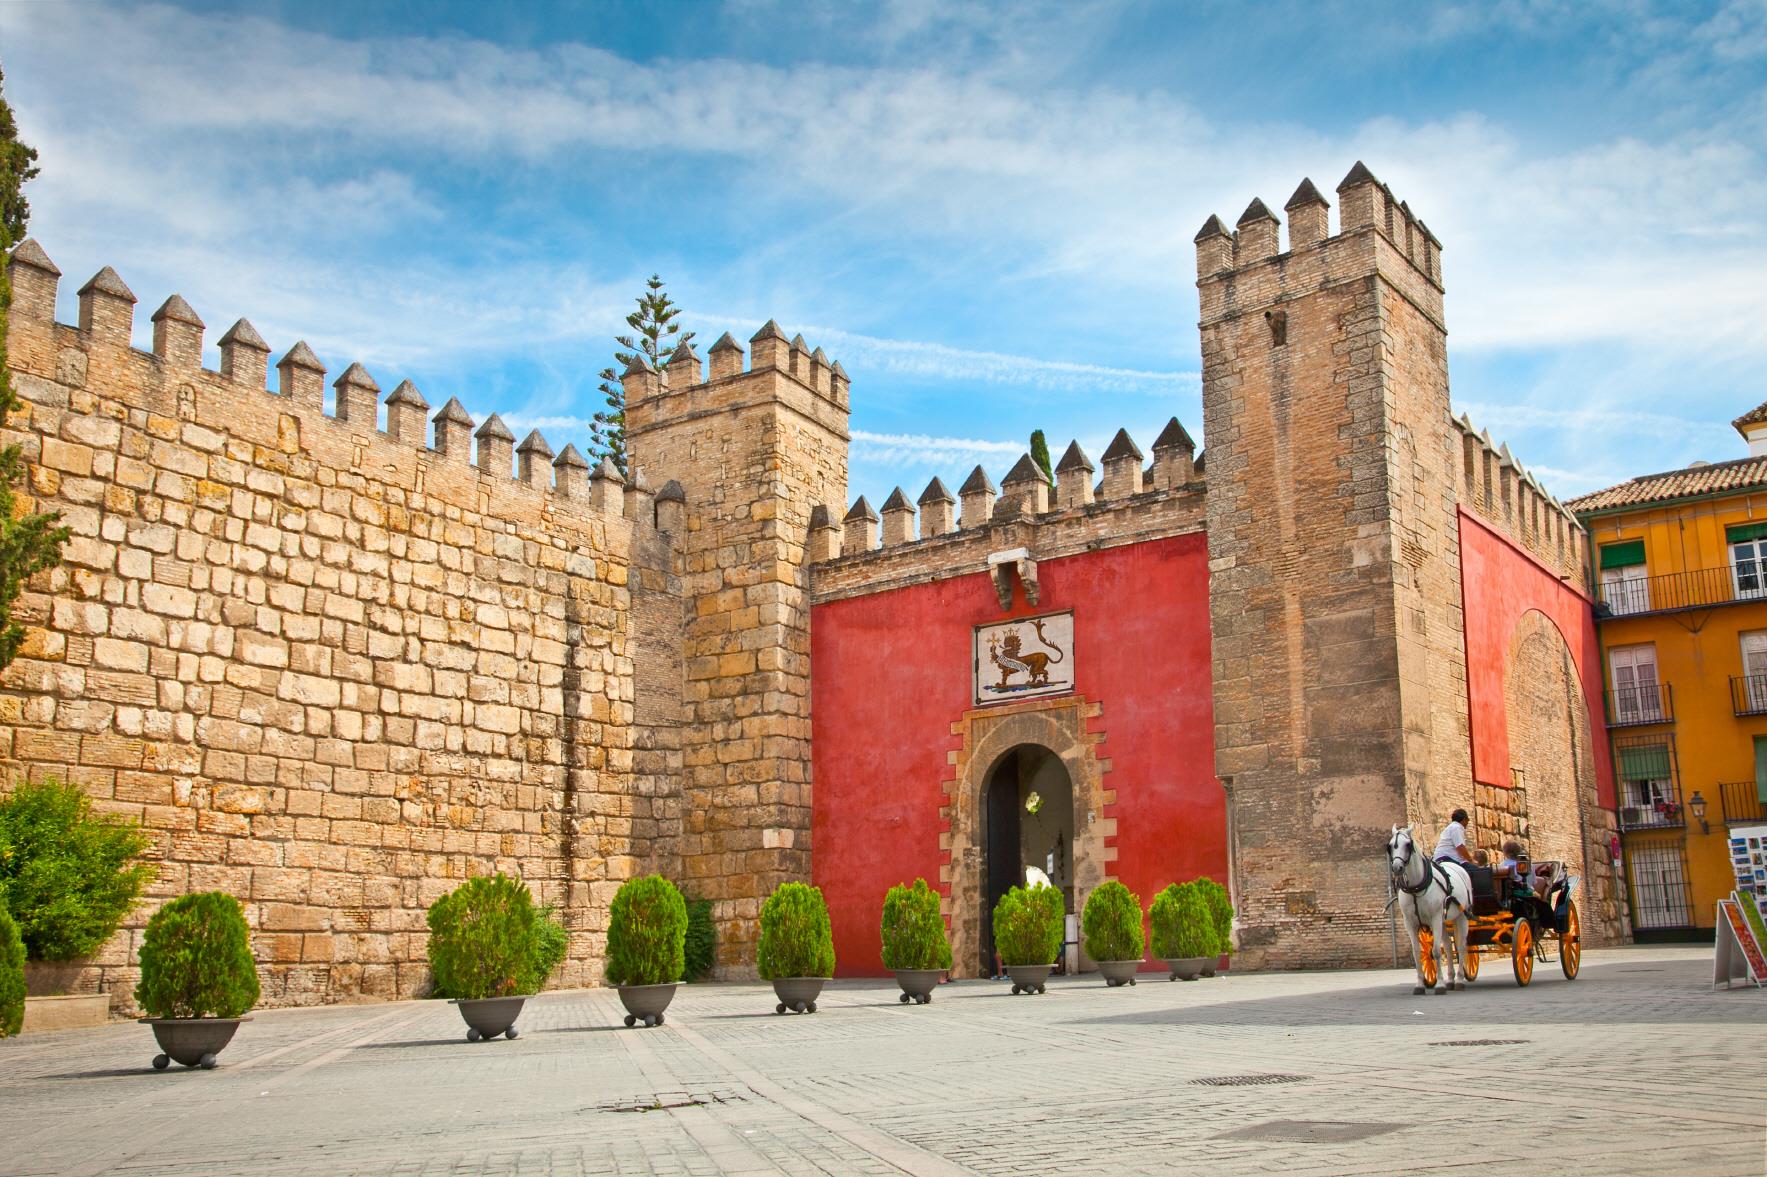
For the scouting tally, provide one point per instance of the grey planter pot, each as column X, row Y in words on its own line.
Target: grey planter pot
column 1118, row 972
column 1029, row 978
column 193, row 1042
column 487, row 1017
column 797, row 994
column 1219, row 962
column 1186, row 968
column 918, row 984
column 646, row 1003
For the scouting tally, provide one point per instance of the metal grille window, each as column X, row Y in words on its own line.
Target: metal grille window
column 1649, row 796
column 1659, row 887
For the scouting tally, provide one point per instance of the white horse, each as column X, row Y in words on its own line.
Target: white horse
column 1433, row 894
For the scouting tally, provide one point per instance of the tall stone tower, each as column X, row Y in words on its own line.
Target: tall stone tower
column 1339, row 671
column 752, row 452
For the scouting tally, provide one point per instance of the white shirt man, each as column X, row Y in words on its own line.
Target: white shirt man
column 1451, row 846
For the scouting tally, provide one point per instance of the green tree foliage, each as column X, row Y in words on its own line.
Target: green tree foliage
column 702, row 940
column 1028, row 925
column 1112, row 923
column 485, row 940
column 196, row 959
column 654, row 338
column 1183, row 927
column 646, row 933
column 29, row 542
column 12, row 976
column 913, row 931
column 551, row 945
column 67, row 874
column 796, row 940
column 1220, row 905
column 1040, row 455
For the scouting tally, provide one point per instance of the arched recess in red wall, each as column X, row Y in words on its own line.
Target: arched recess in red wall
column 1499, row 584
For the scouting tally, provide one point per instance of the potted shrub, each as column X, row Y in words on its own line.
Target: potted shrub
column 701, row 947
column 197, row 977
column 914, row 944
column 1112, row 925
column 12, row 977
column 646, row 946
column 1184, row 931
column 68, row 876
column 1220, row 906
column 796, row 951
column 1027, row 934
column 488, row 952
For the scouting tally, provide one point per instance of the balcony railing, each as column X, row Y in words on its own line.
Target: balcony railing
column 1748, row 694
column 1658, row 815
column 1741, row 801
column 1639, row 705
column 1701, row 588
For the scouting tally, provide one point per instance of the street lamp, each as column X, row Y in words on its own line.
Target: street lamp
column 1697, row 804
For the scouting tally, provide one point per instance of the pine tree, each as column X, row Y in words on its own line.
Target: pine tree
column 32, row 542
column 1040, row 455
column 655, row 336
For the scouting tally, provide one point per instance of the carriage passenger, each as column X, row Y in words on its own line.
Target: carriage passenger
column 1451, row 846
column 1514, row 867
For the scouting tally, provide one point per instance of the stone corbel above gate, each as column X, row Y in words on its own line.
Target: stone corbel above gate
column 1002, row 566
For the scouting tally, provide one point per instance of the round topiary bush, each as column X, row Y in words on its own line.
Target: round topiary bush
column 796, row 940
column 66, row 873
column 701, row 947
column 485, row 940
column 913, row 931
column 1112, row 923
column 196, row 959
column 1028, row 925
column 646, row 933
column 1220, row 905
column 12, row 976
column 551, row 945
column 1182, row 925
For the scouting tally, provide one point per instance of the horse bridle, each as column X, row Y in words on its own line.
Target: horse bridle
column 1431, row 871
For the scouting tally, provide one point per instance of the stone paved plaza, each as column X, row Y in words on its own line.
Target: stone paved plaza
column 1638, row 1067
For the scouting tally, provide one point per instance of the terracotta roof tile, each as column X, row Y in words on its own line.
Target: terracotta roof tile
column 1716, row 478
column 1753, row 416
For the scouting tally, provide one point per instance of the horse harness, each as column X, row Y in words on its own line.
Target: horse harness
column 1433, row 873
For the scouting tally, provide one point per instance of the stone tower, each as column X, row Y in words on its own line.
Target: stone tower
column 1339, row 672
column 752, row 452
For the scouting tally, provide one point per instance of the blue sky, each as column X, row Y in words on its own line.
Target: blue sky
column 983, row 211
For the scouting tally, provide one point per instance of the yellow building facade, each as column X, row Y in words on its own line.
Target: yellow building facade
column 1680, row 560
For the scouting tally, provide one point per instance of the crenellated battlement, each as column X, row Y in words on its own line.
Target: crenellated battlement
column 1496, row 488
column 171, row 380
column 868, row 549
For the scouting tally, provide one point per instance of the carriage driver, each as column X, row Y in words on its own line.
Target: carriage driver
column 1451, row 846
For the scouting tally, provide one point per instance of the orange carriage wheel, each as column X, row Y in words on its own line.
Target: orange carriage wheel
column 1426, row 949
column 1570, row 945
column 1469, row 964
column 1521, row 952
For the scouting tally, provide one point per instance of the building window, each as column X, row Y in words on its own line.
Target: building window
column 1648, row 796
column 1753, row 687
column 1748, row 558
column 1624, row 588
column 1638, row 697
column 1659, row 887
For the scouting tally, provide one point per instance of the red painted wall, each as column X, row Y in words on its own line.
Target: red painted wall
column 893, row 673
column 1499, row 583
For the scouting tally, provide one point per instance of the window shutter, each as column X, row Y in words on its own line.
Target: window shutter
column 1645, row 764
column 1741, row 533
column 1627, row 554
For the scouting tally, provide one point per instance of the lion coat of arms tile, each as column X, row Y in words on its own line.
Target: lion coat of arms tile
column 1024, row 659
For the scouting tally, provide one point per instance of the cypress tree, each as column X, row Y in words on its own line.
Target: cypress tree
column 655, row 336
column 29, row 543
column 1040, row 455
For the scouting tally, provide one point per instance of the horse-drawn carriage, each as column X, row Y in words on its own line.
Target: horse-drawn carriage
column 1541, row 926
column 1482, row 914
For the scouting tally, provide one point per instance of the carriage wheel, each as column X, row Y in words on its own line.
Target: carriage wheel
column 1521, row 952
column 1570, row 945
column 1426, row 949
column 1469, row 964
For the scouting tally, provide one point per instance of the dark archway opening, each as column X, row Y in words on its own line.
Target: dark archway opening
column 1028, row 820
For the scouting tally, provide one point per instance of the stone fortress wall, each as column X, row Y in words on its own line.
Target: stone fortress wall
column 336, row 668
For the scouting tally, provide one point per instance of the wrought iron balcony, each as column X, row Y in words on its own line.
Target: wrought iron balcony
column 1661, row 814
column 1741, row 801
column 1702, row 588
column 1644, row 704
column 1748, row 694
